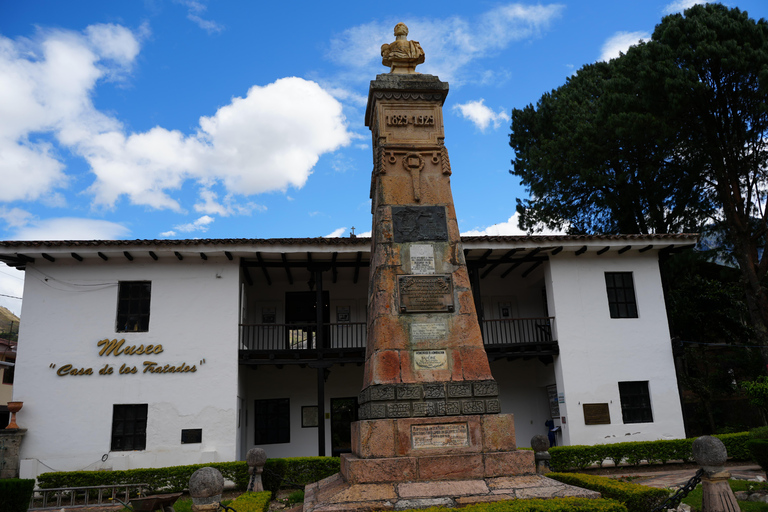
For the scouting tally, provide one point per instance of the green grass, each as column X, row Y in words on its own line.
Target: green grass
column 694, row 497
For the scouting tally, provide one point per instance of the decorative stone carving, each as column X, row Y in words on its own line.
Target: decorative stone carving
column 255, row 458
column 402, row 56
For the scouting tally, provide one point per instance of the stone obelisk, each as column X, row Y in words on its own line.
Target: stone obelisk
column 429, row 407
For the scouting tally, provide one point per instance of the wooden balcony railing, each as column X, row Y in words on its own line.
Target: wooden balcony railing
column 271, row 337
column 511, row 331
column 352, row 335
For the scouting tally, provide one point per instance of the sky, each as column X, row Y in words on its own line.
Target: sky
column 167, row 119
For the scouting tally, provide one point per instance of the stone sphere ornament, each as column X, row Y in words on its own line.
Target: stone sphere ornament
column 205, row 488
column 709, row 453
column 540, row 443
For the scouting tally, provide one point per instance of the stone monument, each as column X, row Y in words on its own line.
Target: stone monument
column 430, row 429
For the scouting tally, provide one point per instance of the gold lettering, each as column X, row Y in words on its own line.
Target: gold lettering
column 115, row 348
column 110, row 347
column 68, row 369
column 158, row 349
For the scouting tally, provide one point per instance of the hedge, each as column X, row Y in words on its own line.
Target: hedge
column 759, row 450
column 540, row 505
column 15, row 494
column 278, row 473
column 252, row 502
column 637, row 498
column 633, row 453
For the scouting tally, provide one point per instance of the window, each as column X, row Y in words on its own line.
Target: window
column 133, row 306
column 129, row 427
column 273, row 421
column 621, row 294
column 635, row 402
column 8, row 373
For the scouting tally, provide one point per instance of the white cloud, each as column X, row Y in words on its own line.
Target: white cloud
column 450, row 44
column 168, row 234
column 679, row 6
column 508, row 228
column 336, row 233
column 195, row 9
column 15, row 217
column 620, row 43
column 12, row 285
column 228, row 206
column 71, row 228
column 200, row 224
column 268, row 140
column 480, row 115
column 365, row 234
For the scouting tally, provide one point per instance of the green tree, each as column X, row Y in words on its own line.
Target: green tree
column 701, row 88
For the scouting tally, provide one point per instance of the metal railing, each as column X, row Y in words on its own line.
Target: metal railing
column 511, row 331
column 80, row 497
column 270, row 337
column 352, row 335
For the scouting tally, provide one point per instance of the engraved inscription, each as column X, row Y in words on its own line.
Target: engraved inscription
column 425, row 294
column 419, row 223
column 434, row 391
column 409, row 392
column 424, row 332
column 430, row 359
column 398, row 410
column 473, row 407
column 424, row 409
column 439, row 436
column 382, row 392
column 596, row 414
column 453, row 408
column 486, row 388
column 422, row 259
column 404, row 120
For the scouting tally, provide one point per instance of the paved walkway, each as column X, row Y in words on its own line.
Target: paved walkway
column 679, row 477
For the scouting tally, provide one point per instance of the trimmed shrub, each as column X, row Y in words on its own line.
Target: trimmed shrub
column 252, row 502
column 759, row 450
column 565, row 458
column 15, row 494
column 278, row 473
column 539, row 505
column 759, row 433
column 637, row 498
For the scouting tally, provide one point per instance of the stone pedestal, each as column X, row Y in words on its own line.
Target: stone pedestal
column 10, row 447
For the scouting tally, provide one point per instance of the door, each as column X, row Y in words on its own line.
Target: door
column 301, row 317
column 343, row 413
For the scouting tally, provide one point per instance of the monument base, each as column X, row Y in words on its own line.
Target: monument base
column 336, row 494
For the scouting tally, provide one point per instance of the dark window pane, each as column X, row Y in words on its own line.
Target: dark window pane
column 129, row 427
column 133, row 299
column 621, row 294
column 272, row 421
column 635, row 402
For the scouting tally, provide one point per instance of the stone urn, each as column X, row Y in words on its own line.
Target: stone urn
column 14, row 407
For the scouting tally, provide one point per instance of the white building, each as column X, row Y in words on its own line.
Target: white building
column 221, row 339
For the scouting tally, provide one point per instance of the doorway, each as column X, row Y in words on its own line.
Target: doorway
column 301, row 317
column 343, row 413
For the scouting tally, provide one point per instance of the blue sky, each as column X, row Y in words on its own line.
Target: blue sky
column 213, row 119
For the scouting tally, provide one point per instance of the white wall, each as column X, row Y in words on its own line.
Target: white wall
column 69, row 307
column 300, row 386
column 597, row 352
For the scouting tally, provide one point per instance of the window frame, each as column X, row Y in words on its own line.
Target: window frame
column 622, row 299
column 133, row 416
column 636, row 406
column 133, row 300
column 272, row 421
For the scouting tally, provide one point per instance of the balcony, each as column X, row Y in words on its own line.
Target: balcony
column 345, row 342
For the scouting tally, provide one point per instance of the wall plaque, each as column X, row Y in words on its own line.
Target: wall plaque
column 423, row 332
column 439, row 436
column 422, row 259
column 425, row 294
column 430, row 359
column 419, row 223
column 596, row 414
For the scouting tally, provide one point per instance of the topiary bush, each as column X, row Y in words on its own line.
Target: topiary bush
column 15, row 494
column 252, row 502
column 637, row 498
column 539, row 505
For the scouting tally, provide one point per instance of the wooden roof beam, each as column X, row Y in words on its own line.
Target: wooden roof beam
column 264, row 269
column 532, row 268
column 496, row 264
column 624, row 249
column 178, row 255
column 153, row 255
column 48, row 257
column 77, row 256
column 287, row 268
column 128, row 255
column 357, row 266
column 603, row 250
column 334, row 268
column 102, row 256
column 581, row 251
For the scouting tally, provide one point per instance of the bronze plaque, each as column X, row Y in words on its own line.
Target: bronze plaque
column 425, row 294
column 596, row 414
column 419, row 224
